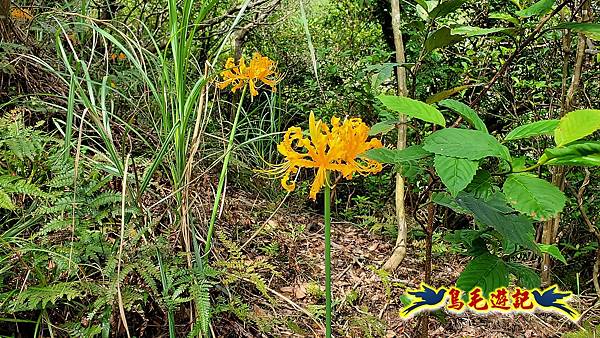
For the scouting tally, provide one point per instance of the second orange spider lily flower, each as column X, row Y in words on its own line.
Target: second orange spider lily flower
column 334, row 149
column 20, row 14
column 260, row 68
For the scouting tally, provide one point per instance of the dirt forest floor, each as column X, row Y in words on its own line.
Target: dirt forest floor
column 286, row 249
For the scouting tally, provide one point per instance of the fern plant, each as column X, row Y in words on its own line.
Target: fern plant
column 20, row 150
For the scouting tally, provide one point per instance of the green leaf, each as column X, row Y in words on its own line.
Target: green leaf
column 505, row 17
column 411, row 153
column 394, row 156
column 526, row 277
column 533, row 196
column 539, row 8
column 413, row 108
column 591, row 30
column 456, row 173
column 553, row 251
column 5, row 201
column 446, row 8
column 487, row 272
column 382, row 155
column 495, row 214
column 577, row 153
column 444, row 199
column 466, row 112
column 532, row 129
column 410, row 170
column 470, row 239
column 470, row 31
column 465, row 236
column 441, row 38
column 383, row 127
column 576, row 125
column 465, row 143
column 446, row 94
column 481, row 186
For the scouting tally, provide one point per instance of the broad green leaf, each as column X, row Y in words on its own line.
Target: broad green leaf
column 518, row 164
column 508, row 247
column 505, row 17
column 539, row 8
column 576, row 125
column 470, row 31
column 411, row 153
column 444, row 199
column 422, row 10
column 591, row 30
column 464, row 236
column 465, row 143
column 533, row 196
column 5, row 201
column 532, row 129
column 514, row 227
column 383, row 127
column 456, row 173
column 487, row 272
column 466, row 112
column 446, row 8
column 497, row 201
column 481, row 186
column 553, row 251
column 441, row 38
column 410, row 170
column 394, row 156
column 526, row 276
column 577, row 153
column 446, row 94
column 413, row 108
column 470, row 239
column 382, row 155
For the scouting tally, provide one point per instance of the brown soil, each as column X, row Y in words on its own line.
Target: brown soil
column 366, row 301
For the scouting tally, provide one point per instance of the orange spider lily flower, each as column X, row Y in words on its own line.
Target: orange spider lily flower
column 354, row 134
column 334, row 149
column 20, row 14
column 260, row 68
column 121, row 56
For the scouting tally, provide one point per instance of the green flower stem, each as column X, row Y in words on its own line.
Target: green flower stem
column 215, row 209
column 327, row 260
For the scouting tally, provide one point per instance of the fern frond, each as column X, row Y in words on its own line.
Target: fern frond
column 103, row 199
column 62, row 180
column 20, row 186
column 5, row 201
column 56, row 224
column 201, row 294
column 35, row 297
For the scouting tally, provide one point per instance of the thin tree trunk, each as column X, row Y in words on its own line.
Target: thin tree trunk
column 4, row 19
column 431, row 209
column 550, row 229
column 400, row 250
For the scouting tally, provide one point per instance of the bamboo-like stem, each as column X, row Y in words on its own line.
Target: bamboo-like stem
column 327, row 216
column 400, row 250
column 223, row 176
